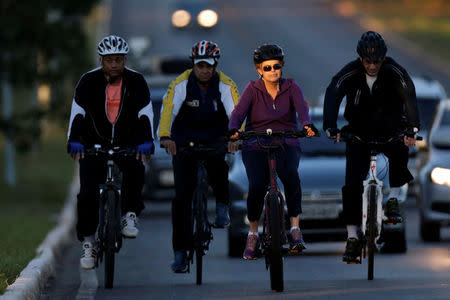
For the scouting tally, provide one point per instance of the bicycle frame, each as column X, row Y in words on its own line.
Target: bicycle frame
column 372, row 180
column 273, row 189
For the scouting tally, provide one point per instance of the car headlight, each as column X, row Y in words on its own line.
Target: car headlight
column 207, row 18
column 441, row 176
column 181, row 18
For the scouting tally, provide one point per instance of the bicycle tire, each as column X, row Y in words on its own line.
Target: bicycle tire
column 199, row 220
column 110, row 238
column 372, row 228
column 275, row 254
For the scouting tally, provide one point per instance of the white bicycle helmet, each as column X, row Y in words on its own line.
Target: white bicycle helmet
column 112, row 44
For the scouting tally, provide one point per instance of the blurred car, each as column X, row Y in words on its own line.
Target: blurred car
column 434, row 178
column 194, row 14
column 159, row 181
column 322, row 175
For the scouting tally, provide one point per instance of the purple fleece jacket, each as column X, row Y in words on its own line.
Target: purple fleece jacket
column 262, row 112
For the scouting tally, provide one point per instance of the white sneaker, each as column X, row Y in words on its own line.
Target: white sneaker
column 88, row 256
column 129, row 222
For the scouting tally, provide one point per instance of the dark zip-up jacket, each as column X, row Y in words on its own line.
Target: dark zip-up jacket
column 89, row 122
column 390, row 107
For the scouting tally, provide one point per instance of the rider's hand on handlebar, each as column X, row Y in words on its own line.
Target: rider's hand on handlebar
column 233, row 146
column 334, row 134
column 144, row 151
column 310, row 130
column 409, row 141
column 234, row 133
column 171, row 147
column 76, row 150
column 410, row 137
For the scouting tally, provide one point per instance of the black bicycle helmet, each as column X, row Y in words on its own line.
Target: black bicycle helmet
column 267, row 52
column 371, row 46
column 205, row 49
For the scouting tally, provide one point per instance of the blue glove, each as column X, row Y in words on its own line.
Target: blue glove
column 75, row 147
column 145, row 148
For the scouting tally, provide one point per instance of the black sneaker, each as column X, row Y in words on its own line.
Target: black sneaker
column 392, row 212
column 180, row 263
column 352, row 252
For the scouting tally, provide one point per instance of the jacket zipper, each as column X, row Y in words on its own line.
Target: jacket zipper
column 120, row 110
column 358, row 94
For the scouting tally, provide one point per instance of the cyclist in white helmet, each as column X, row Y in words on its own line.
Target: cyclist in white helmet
column 111, row 107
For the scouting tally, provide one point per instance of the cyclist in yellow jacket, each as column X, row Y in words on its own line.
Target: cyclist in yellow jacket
column 196, row 108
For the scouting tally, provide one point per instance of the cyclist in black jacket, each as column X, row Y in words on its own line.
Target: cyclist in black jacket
column 111, row 107
column 381, row 102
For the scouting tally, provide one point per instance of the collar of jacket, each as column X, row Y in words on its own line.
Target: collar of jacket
column 125, row 75
column 214, row 79
column 284, row 85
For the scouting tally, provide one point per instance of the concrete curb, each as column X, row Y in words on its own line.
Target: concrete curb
column 33, row 278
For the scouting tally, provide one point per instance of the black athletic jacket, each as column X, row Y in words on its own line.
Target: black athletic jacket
column 89, row 123
column 390, row 108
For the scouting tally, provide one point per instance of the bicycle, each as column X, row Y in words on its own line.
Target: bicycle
column 372, row 211
column 109, row 235
column 201, row 227
column 274, row 229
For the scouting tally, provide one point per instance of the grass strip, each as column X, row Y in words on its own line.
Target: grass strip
column 29, row 210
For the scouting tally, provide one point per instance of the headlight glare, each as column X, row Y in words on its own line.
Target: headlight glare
column 207, row 18
column 181, row 18
column 441, row 176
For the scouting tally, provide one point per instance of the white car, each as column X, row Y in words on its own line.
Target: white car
column 433, row 195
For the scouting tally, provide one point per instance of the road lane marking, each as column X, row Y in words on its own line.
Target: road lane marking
column 88, row 286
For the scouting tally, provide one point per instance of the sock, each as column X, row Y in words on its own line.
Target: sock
column 88, row 239
column 294, row 227
column 395, row 191
column 351, row 231
column 253, row 233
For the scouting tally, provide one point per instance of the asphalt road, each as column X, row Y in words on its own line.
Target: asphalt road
column 143, row 271
column 317, row 45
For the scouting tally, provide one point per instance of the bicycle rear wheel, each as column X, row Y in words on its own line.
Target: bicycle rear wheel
column 372, row 228
column 275, row 255
column 110, row 237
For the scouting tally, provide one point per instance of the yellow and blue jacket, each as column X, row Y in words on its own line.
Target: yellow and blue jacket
column 188, row 114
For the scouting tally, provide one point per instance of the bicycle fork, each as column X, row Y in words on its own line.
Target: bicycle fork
column 372, row 180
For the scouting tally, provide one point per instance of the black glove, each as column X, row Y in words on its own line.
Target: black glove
column 412, row 132
column 332, row 132
column 232, row 132
column 313, row 128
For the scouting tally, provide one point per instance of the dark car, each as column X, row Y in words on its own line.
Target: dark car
column 433, row 194
column 322, row 175
column 159, row 180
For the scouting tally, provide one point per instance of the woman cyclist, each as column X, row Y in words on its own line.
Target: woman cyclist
column 271, row 102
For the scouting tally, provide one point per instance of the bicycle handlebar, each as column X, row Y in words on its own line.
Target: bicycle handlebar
column 201, row 148
column 99, row 150
column 353, row 138
column 269, row 133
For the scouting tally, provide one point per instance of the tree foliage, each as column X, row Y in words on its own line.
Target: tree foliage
column 43, row 42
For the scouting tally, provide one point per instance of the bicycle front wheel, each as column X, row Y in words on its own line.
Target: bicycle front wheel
column 372, row 230
column 275, row 255
column 110, row 238
column 200, row 221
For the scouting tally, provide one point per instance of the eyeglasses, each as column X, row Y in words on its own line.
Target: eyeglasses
column 268, row 68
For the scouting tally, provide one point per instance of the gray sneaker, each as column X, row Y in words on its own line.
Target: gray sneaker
column 88, row 256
